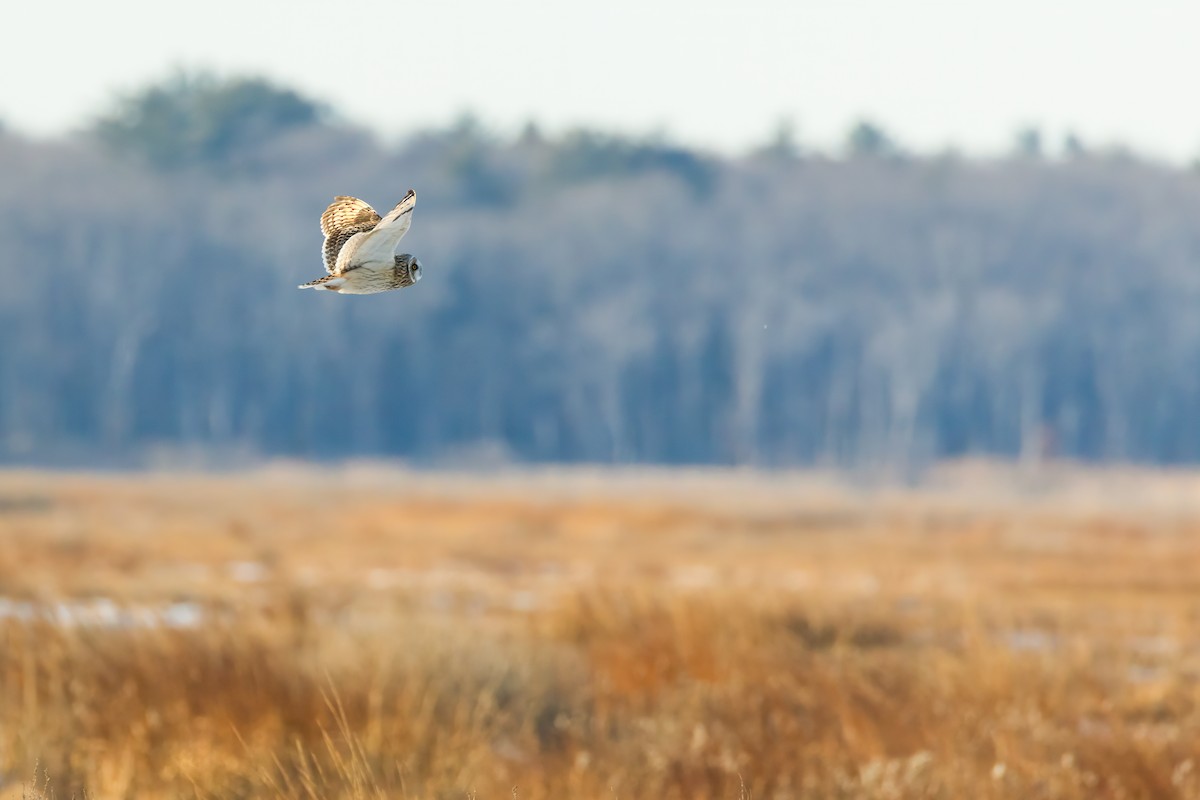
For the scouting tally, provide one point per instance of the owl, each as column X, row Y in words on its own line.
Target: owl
column 360, row 248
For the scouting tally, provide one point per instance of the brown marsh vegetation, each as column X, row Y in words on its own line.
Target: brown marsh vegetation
column 379, row 633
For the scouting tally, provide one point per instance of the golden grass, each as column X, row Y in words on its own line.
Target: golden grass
column 649, row 635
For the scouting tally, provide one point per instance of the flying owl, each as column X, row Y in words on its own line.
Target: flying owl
column 360, row 248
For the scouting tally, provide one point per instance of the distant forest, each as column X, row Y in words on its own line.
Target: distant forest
column 587, row 297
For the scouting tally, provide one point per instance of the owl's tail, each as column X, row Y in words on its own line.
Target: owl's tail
column 329, row 282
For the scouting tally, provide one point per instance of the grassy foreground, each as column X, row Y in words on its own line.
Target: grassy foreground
column 726, row 635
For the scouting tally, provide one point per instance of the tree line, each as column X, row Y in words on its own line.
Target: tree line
column 587, row 297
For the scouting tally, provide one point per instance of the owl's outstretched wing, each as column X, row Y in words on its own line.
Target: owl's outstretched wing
column 380, row 244
column 345, row 217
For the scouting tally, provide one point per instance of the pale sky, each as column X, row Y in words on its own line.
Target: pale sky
column 966, row 73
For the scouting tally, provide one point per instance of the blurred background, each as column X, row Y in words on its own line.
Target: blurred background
column 786, row 234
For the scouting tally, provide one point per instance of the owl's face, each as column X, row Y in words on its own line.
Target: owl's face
column 408, row 269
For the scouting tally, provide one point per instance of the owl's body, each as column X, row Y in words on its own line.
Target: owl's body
column 360, row 248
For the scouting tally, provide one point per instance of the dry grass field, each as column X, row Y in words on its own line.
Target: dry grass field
column 381, row 633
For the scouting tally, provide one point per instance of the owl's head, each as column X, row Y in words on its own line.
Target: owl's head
column 408, row 269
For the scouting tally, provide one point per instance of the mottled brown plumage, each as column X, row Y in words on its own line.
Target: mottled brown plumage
column 360, row 248
column 345, row 217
